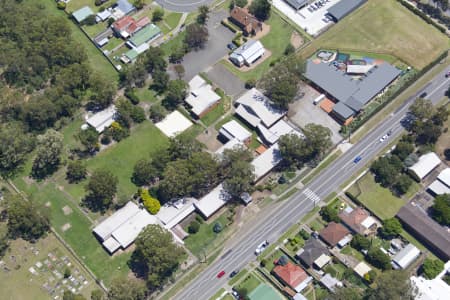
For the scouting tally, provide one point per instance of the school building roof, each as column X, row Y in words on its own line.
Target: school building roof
column 233, row 130
column 81, row 14
column 343, row 8
column 201, row 96
column 297, row 4
column 103, row 119
column 174, row 123
column 213, row 201
column 427, row 163
column 265, row 162
column 442, row 184
column 171, row 214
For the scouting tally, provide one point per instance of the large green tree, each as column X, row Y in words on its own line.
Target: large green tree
column 156, row 256
column 176, row 92
column 440, row 211
column 48, row 156
column 378, row 258
column 391, row 285
column 14, row 147
column 144, row 172
column 391, row 228
column 89, row 139
column 238, row 171
column 127, row 289
column 260, row 9
column 101, row 190
column 345, row 293
column 76, row 171
column 196, row 36
column 386, row 169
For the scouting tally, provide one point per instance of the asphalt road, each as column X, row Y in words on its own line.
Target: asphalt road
column 183, row 5
column 270, row 224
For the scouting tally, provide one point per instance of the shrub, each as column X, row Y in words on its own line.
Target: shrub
column 105, row 140
column 131, row 94
column 289, row 49
column 217, row 227
column 263, row 262
column 432, row 267
column 304, row 234
column 67, row 272
column 251, row 83
column 150, row 203
column 199, row 219
column 61, row 5
column 194, row 227
column 158, row 14
column 118, row 132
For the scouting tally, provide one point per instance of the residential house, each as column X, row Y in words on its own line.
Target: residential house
column 231, row 144
column 405, row 257
column 81, row 14
column 140, row 42
column 102, row 119
column 359, row 220
column 270, row 136
column 248, row 53
column 422, row 227
column 213, row 201
column 201, row 98
column 311, row 252
column 266, row 162
column 122, row 228
column 293, row 276
column 334, row 233
column 432, row 289
column 232, row 130
column 426, row 163
column 122, row 8
column 441, row 185
column 128, row 26
column 245, row 20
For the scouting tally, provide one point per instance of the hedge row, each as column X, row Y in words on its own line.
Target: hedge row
column 228, row 25
column 422, row 15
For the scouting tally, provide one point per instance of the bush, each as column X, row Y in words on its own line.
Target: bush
column 67, row 272
column 131, row 94
column 251, row 83
column 263, row 262
column 228, row 25
column 304, row 234
column 61, row 5
column 158, row 14
column 199, row 219
column 194, row 227
column 217, row 227
column 289, row 49
column 89, row 21
column 150, row 203
column 105, row 140
column 329, row 214
column 432, row 267
column 118, row 132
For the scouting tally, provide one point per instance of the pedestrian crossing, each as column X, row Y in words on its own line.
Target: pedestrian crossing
column 311, row 195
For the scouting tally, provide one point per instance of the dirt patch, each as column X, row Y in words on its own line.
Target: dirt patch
column 265, row 30
column 66, row 210
column 209, row 138
column 66, row 227
column 296, row 40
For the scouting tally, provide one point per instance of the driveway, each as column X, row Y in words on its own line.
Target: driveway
column 219, row 36
column 226, row 80
column 183, row 5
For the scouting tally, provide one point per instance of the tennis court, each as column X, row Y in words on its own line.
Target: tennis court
column 264, row 292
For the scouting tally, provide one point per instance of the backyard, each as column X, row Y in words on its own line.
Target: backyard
column 384, row 26
column 376, row 198
column 249, row 284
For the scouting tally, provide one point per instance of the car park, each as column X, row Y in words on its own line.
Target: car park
column 261, row 247
column 221, row 273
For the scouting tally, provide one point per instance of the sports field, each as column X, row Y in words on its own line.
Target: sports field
column 384, row 26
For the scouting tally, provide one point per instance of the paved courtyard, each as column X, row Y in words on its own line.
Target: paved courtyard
column 216, row 47
column 303, row 111
column 313, row 22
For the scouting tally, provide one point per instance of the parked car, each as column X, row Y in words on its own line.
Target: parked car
column 234, row 273
column 221, row 273
column 231, row 46
column 261, row 247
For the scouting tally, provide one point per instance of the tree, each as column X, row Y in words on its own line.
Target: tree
column 15, row 144
column 76, row 171
column 391, row 285
column 89, row 139
column 68, row 295
column 318, row 137
column 203, row 14
column 194, row 227
column 391, row 228
column 156, row 255
column 157, row 112
column 179, row 69
column 153, row 60
column 411, row 160
column 329, row 214
column 4, row 241
column 48, row 157
column 127, row 289
column 403, row 149
column 422, row 109
column 283, row 93
column 378, row 258
column 89, row 21
column 144, row 172
column 67, row 272
column 158, row 15
column 402, row 184
column 27, row 219
column 345, row 293
column 432, row 267
column 240, row 3
column 97, row 295
column 196, row 36
column 150, row 203
column 176, row 92
column 238, row 171
column 139, row 4
column 360, row 242
column 440, row 210
column 294, row 150
column 128, row 113
column 102, row 92
column 260, row 9
column 100, row 190
column 386, row 169
column 289, row 49
column 160, row 80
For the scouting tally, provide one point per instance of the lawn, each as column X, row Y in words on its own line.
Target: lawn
column 275, row 41
column 120, row 159
column 203, row 241
column 214, row 114
column 384, row 26
column 113, row 43
column 335, row 270
column 97, row 61
column 173, row 44
column 145, row 94
column 348, row 250
column 249, row 283
column 270, row 260
column 376, row 198
column 94, row 30
column 172, row 19
column 237, row 277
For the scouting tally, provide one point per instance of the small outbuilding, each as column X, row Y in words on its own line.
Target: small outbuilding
column 102, row 119
column 248, row 53
column 233, row 130
column 82, row 14
column 427, row 163
column 174, row 123
column 405, row 257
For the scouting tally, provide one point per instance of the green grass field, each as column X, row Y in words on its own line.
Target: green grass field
column 384, row 26
column 275, row 41
column 97, row 61
column 144, row 140
column 249, row 283
column 376, row 198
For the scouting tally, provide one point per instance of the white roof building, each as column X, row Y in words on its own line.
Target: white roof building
column 427, row 163
column 362, row 269
column 231, row 144
column 330, row 282
column 322, row 260
column 255, row 108
column 122, row 228
column 103, row 119
column 173, row 124
column 213, row 201
column 201, row 96
column 434, row 289
column 268, row 160
column 171, row 214
column 358, row 69
column 233, row 130
column 442, row 184
column 272, row 135
column 248, row 53
column 103, row 15
column 406, row 256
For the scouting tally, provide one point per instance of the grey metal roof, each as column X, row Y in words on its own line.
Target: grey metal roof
column 343, row 110
column 355, row 93
column 297, row 4
column 344, row 7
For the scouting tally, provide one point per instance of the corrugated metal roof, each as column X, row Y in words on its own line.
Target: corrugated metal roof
column 264, row 163
column 344, row 7
column 297, row 4
column 81, row 14
column 343, row 110
column 213, row 201
column 406, row 256
column 426, row 164
column 144, row 35
column 236, row 130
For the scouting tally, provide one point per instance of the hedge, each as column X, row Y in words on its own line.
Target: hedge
column 422, row 15
column 228, row 25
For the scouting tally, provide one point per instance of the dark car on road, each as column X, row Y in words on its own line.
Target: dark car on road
column 234, row 273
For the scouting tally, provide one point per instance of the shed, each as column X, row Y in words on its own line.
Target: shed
column 102, row 119
column 248, row 53
column 406, row 256
column 103, row 15
column 233, row 130
column 81, row 14
column 427, row 163
column 362, row 269
column 174, row 123
column 330, row 282
column 322, row 261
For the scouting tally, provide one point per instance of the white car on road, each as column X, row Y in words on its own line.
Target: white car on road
column 261, row 247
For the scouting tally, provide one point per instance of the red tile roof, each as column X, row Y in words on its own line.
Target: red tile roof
column 354, row 219
column 136, row 25
column 291, row 274
column 123, row 23
column 246, row 20
column 333, row 233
